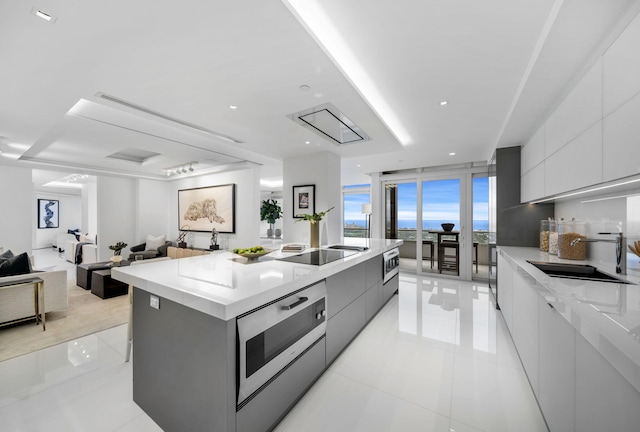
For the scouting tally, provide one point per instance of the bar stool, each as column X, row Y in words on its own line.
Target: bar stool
column 449, row 256
column 475, row 259
column 431, row 251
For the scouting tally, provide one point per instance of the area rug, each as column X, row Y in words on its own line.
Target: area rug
column 87, row 314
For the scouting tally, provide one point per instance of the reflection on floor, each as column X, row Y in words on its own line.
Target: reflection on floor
column 436, row 358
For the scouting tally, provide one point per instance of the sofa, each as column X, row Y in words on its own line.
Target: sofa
column 17, row 302
column 153, row 247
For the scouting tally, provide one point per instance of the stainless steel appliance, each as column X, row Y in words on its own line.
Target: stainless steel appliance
column 391, row 264
column 274, row 335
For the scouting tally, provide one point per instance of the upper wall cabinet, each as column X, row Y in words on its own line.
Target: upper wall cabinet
column 581, row 109
column 533, row 152
column 622, row 68
column 532, row 184
column 621, row 156
column 576, row 165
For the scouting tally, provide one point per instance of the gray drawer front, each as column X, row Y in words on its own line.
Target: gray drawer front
column 270, row 405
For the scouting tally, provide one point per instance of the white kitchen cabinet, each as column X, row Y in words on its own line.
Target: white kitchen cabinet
column 505, row 289
column 622, row 68
column 525, row 324
column 577, row 164
column 533, row 151
column 580, row 110
column 605, row 400
column 621, row 130
column 556, row 378
column 532, row 184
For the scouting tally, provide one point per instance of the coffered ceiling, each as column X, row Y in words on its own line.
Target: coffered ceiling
column 157, row 80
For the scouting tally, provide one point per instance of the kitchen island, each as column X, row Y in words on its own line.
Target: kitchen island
column 186, row 356
column 578, row 340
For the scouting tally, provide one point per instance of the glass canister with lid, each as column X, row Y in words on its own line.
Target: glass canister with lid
column 553, row 237
column 544, row 235
column 568, row 234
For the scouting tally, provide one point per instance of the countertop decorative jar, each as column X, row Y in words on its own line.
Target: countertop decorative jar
column 569, row 235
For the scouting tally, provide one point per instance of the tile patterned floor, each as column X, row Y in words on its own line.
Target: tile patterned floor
column 436, row 358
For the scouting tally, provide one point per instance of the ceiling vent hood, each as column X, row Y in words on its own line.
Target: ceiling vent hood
column 328, row 122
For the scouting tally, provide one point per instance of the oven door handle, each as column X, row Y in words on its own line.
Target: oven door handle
column 295, row 304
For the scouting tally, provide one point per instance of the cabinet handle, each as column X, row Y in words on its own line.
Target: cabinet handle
column 550, row 305
column 295, row 304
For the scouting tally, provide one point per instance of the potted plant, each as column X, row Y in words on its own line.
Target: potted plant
column 270, row 211
column 314, row 219
column 117, row 250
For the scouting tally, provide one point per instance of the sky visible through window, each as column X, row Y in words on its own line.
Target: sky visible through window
column 440, row 204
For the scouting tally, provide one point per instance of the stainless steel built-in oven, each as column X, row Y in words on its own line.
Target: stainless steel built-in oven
column 391, row 264
column 274, row 335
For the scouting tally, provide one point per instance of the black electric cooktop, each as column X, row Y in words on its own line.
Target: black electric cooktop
column 318, row 257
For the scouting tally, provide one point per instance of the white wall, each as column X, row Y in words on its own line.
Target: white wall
column 16, row 209
column 247, row 204
column 603, row 216
column 116, row 214
column 153, row 205
column 323, row 171
column 70, row 208
column 89, row 208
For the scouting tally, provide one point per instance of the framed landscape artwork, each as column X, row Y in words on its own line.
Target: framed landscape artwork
column 304, row 200
column 203, row 209
column 48, row 213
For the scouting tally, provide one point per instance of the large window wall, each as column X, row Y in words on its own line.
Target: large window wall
column 356, row 210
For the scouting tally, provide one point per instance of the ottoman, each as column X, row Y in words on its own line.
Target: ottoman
column 84, row 271
column 105, row 287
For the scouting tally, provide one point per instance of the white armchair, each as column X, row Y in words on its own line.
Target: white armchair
column 89, row 252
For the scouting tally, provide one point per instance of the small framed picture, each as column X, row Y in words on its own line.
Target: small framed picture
column 48, row 213
column 304, row 200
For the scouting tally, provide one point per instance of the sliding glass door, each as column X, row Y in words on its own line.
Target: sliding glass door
column 441, row 235
column 443, row 218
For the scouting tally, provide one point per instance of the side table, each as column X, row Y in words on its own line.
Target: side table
column 38, row 296
column 105, row 287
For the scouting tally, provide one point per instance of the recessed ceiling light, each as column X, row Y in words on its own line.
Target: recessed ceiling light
column 452, row 154
column 307, row 142
column 233, row 106
column 358, row 165
column 304, row 88
column 443, row 103
column 45, row 16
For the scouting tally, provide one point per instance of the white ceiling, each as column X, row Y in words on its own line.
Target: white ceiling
column 501, row 65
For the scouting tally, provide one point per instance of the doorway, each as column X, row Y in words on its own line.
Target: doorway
column 442, row 216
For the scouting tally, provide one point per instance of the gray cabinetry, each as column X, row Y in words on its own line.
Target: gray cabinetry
column 274, row 401
column 344, row 326
column 354, row 296
column 184, row 366
column 345, row 287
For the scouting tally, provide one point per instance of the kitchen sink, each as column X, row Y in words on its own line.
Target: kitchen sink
column 350, row 248
column 576, row 271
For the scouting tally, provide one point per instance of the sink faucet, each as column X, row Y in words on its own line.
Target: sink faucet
column 621, row 249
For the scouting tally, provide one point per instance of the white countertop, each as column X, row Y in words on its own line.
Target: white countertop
column 605, row 314
column 224, row 285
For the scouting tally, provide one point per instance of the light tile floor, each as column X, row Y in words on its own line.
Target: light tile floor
column 436, row 358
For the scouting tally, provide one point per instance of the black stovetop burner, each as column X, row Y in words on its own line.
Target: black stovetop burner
column 318, row 257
